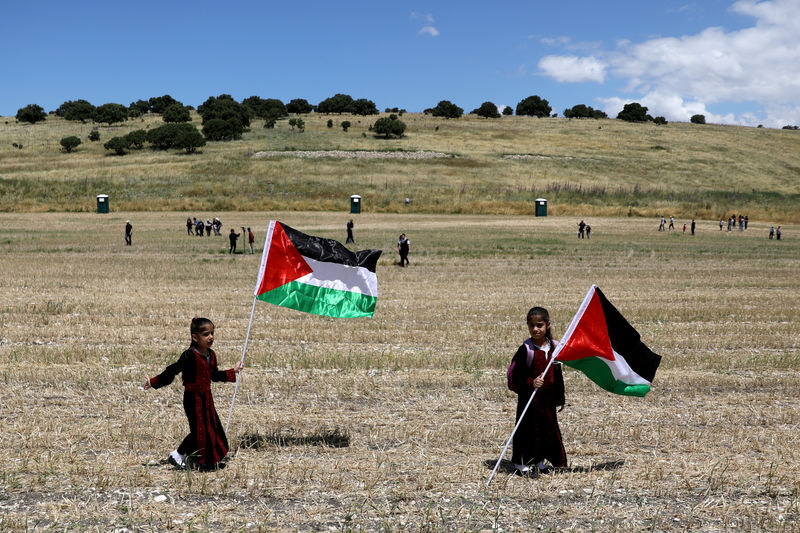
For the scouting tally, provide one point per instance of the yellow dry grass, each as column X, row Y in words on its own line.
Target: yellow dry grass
column 393, row 423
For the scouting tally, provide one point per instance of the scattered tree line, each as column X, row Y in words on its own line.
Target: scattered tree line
column 225, row 119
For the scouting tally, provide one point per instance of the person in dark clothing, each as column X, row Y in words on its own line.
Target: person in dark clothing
column 128, row 232
column 350, row 232
column 693, row 226
column 581, row 229
column 189, row 226
column 233, row 236
column 403, row 247
column 538, row 438
column 206, row 445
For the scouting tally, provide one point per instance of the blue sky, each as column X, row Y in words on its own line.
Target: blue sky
column 736, row 62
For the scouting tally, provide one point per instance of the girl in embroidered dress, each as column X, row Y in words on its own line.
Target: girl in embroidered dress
column 538, row 438
column 206, row 443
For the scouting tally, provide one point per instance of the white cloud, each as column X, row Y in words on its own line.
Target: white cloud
column 428, row 30
column 680, row 76
column 573, row 68
column 425, row 18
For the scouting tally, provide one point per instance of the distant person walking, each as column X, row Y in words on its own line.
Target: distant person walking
column 730, row 223
column 189, row 226
column 588, row 231
column 250, row 240
column 721, row 224
column 581, row 229
column 693, row 226
column 350, row 232
column 198, row 228
column 771, row 232
column 741, row 223
column 663, row 224
column 671, row 222
column 778, row 233
column 233, row 236
column 128, row 232
column 746, row 220
column 403, row 247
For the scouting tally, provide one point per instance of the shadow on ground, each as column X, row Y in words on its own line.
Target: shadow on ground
column 507, row 467
column 336, row 438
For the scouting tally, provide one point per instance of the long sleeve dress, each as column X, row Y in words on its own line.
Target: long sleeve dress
column 539, row 436
column 206, row 443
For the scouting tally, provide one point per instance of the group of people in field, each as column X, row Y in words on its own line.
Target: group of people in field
column 662, row 226
column 584, row 230
column 743, row 221
column 196, row 227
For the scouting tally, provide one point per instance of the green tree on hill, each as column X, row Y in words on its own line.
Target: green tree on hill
column 32, row 113
column 70, row 143
column 189, row 139
column 698, row 119
column 507, row 111
column 364, row 107
column 338, row 103
column 299, row 106
column 136, row 138
column 534, row 106
column 487, row 110
column 118, row 144
column 446, row 109
column 229, row 116
column 176, row 113
column 389, row 126
column 584, row 111
column 158, row 104
column 78, row 110
column 265, row 107
column 138, row 108
column 634, row 112
column 111, row 113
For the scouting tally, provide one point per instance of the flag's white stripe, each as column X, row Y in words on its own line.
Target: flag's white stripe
column 267, row 244
column 341, row 277
column 622, row 371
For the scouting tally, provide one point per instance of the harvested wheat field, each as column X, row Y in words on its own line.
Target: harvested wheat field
column 393, row 423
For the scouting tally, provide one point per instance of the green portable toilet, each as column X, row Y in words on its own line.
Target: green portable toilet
column 355, row 204
column 541, row 207
column 102, row 203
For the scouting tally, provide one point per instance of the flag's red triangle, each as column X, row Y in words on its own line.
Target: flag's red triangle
column 590, row 336
column 284, row 262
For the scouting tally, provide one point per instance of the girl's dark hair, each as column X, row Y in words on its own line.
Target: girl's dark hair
column 542, row 312
column 197, row 324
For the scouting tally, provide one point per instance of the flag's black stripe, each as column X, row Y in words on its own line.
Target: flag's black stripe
column 331, row 251
column 626, row 341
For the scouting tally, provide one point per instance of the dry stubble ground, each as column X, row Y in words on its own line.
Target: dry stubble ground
column 393, row 423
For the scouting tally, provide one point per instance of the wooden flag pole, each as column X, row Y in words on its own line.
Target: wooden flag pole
column 239, row 375
column 521, row 416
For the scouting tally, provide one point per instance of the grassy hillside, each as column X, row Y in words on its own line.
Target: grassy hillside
column 583, row 167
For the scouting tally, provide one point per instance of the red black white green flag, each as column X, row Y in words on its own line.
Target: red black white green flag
column 316, row 275
column 603, row 345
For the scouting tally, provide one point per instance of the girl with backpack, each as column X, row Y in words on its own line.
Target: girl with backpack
column 538, row 438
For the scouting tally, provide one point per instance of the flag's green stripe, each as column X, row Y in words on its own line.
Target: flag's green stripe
column 599, row 372
column 321, row 300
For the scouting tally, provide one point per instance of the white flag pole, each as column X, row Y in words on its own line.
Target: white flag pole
column 239, row 375
column 264, row 254
column 521, row 416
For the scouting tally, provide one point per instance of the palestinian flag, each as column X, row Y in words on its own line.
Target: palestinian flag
column 600, row 343
column 316, row 275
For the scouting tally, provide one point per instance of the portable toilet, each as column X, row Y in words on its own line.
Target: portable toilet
column 102, row 203
column 355, row 204
column 541, row 207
